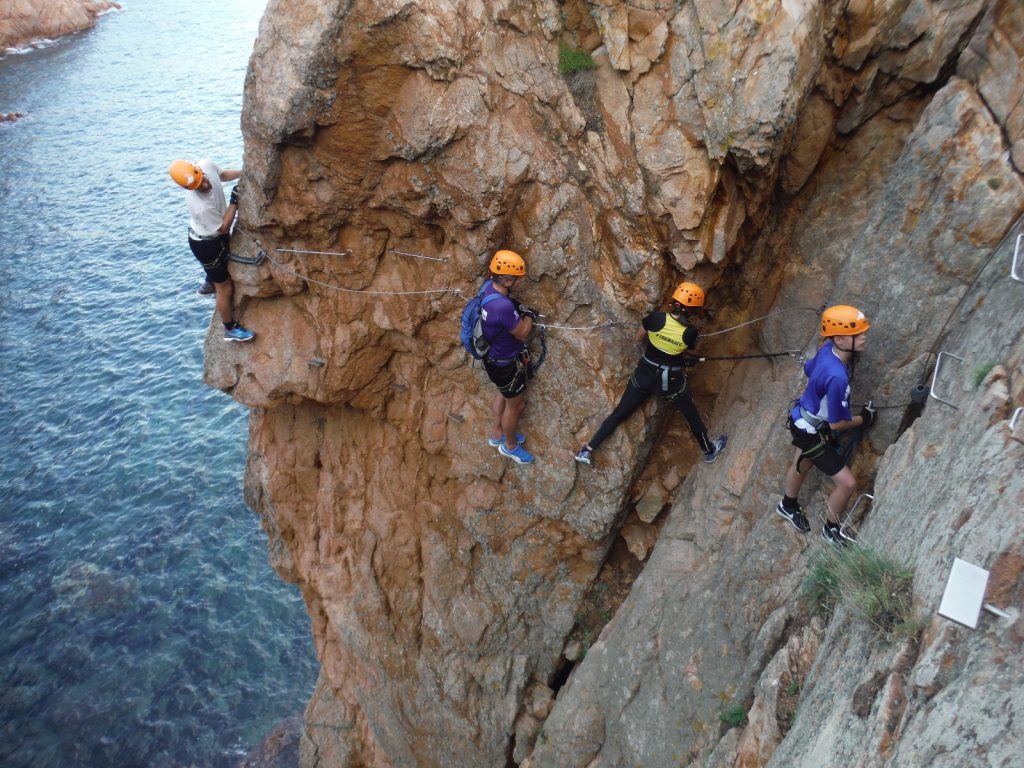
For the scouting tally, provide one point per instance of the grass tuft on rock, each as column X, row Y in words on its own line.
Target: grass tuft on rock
column 574, row 60
column 734, row 717
column 872, row 585
column 982, row 371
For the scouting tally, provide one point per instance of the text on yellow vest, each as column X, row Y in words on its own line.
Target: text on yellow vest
column 670, row 338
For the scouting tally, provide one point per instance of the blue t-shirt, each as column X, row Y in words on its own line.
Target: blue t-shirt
column 827, row 394
column 499, row 318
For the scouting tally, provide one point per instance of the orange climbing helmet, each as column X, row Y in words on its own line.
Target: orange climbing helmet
column 187, row 174
column 689, row 295
column 843, row 320
column 508, row 263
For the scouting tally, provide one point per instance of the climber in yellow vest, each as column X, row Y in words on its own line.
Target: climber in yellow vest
column 661, row 370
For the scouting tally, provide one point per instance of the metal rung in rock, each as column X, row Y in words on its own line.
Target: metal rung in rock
column 456, row 417
column 1013, row 425
column 856, row 504
column 935, row 376
column 1016, row 254
column 316, row 362
column 254, row 260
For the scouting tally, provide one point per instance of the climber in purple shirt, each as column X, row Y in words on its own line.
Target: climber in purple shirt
column 822, row 410
column 507, row 325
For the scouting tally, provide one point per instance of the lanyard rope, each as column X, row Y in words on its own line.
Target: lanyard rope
column 763, row 317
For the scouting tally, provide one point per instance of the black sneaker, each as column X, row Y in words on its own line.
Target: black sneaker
column 717, row 446
column 795, row 516
column 833, row 534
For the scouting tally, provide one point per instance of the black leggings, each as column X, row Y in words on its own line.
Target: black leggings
column 647, row 380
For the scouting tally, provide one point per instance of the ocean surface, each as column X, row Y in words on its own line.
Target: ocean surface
column 142, row 624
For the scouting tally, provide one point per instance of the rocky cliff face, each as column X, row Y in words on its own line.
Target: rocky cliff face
column 22, row 21
column 784, row 155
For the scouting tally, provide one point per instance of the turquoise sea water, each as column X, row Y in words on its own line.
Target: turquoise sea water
column 142, row 625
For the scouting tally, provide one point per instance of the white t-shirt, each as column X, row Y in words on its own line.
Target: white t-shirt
column 206, row 209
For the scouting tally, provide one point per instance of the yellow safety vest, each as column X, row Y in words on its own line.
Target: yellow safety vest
column 670, row 338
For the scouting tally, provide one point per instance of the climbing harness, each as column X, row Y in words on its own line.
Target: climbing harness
column 665, row 371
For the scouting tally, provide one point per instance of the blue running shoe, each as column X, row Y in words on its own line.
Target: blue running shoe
column 238, row 333
column 494, row 442
column 585, row 455
column 717, row 446
column 518, row 454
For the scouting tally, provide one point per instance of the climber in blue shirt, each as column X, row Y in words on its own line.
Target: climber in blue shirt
column 822, row 410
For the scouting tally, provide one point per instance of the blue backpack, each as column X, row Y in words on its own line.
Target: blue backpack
column 472, row 332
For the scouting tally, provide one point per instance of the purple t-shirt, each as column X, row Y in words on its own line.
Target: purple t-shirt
column 499, row 318
column 827, row 395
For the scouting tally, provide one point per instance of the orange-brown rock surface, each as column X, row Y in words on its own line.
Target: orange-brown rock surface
column 783, row 154
column 23, row 21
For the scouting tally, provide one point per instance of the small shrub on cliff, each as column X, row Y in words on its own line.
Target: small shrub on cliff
column 574, row 60
column 577, row 68
column 982, row 371
column 872, row 585
column 734, row 717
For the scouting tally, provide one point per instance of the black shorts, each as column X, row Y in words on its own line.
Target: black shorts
column 818, row 449
column 213, row 255
column 510, row 378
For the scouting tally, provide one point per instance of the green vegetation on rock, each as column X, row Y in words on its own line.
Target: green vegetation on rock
column 734, row 717
column 574, row 60
column 871, row 584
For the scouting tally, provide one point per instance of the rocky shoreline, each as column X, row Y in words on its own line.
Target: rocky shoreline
column 25, row 21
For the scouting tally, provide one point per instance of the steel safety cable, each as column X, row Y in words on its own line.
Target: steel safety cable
column 758, row 319
column 279, row 265
column 977, row 276
column 453, row 291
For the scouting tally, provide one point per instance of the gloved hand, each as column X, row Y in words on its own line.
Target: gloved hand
column 867, row 414
column 688, row 362
column 526, row 311
column 233, row 200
